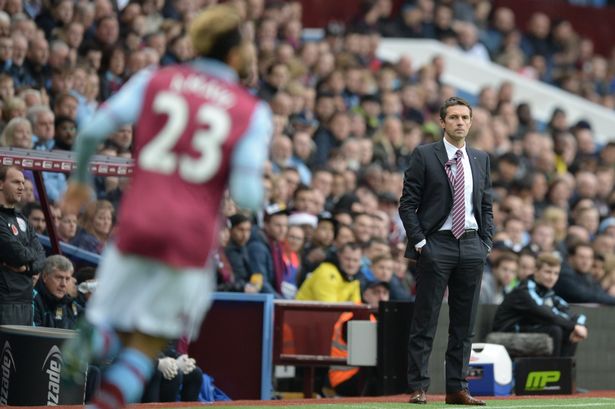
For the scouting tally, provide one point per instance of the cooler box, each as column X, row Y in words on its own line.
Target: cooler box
column 31, row 362
column 490, row 371
column 545, row 376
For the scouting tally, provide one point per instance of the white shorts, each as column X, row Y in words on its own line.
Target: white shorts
column 144, row 295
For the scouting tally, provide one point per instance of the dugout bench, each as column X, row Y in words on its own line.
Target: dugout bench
column 302, row 335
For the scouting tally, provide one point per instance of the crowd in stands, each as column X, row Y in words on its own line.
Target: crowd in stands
column 546, row 49
column 346, row 124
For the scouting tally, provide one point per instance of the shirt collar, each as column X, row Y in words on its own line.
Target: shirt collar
column 215, row 68
column 452, row 149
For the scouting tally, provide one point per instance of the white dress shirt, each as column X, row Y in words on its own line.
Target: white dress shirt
column 470, row 220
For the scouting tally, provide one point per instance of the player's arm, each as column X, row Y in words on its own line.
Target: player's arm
column 246, row 184
column 122, row 108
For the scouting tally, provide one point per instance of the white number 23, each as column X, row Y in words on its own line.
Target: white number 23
column 158, row 156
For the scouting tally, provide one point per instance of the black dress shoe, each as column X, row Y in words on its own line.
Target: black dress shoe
column 418, row 396
column 463, row 398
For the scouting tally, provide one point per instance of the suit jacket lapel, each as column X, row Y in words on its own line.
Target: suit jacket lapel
column 442, row 156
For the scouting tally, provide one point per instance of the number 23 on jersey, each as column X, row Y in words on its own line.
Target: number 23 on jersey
column 158, row 154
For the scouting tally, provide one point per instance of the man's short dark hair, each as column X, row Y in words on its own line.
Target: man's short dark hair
column 351, row 245
column 452, row 102
column 572, row 250
column 506, row 256
column 30, row 207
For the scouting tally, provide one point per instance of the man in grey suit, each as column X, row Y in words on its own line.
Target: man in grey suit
column 446, row 209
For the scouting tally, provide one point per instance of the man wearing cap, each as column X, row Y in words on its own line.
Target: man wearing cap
column 446, row 208
column 354, row 381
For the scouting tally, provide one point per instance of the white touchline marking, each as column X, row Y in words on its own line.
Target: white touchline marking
column 585, row 405
column 379, row 405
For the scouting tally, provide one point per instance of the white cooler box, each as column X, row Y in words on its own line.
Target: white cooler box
column 490, row 371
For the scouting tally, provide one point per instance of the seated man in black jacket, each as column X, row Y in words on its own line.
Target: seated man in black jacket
column 534, row 307
column 238, row 271
column 52, row 305
column 576, row 284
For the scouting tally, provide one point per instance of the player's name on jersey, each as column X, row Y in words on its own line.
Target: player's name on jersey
column 207, row 88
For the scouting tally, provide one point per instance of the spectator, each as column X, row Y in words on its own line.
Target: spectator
column 53, row 306
column 65, row 105
column 316, row 250
column 67, row 228
column 21, row 254
column 372, row 249
column 503, row 23
column 501, row 281
column 542, row 238
column 265, row 250
column 293, row 244
column 65, row 133
column 534, row 307
column 470, row 44
column 382, row 268
column 18, row 70
column 362, row 226
column 527, row 264
column 17, row 133
column 336, row 279
column 15, row 107
column 575, row 284
column 43, row 127
column 95, row 227
column 36, row 217
column 38, row 71
column 236, row 253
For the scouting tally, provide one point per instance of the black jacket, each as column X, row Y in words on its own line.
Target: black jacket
column 427, row 197
column 533, row 304
column 51, row 312
column 581, row 288
column 240, row 263
column 19, row 246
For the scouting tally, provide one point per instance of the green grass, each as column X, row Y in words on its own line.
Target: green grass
column 570, row 403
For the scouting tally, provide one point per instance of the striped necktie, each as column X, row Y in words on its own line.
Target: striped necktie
column 459, row 207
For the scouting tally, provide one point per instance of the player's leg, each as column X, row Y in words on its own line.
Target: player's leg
column 92, row 344
column 123, row 382
column 147, row 302
column 96, row 339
